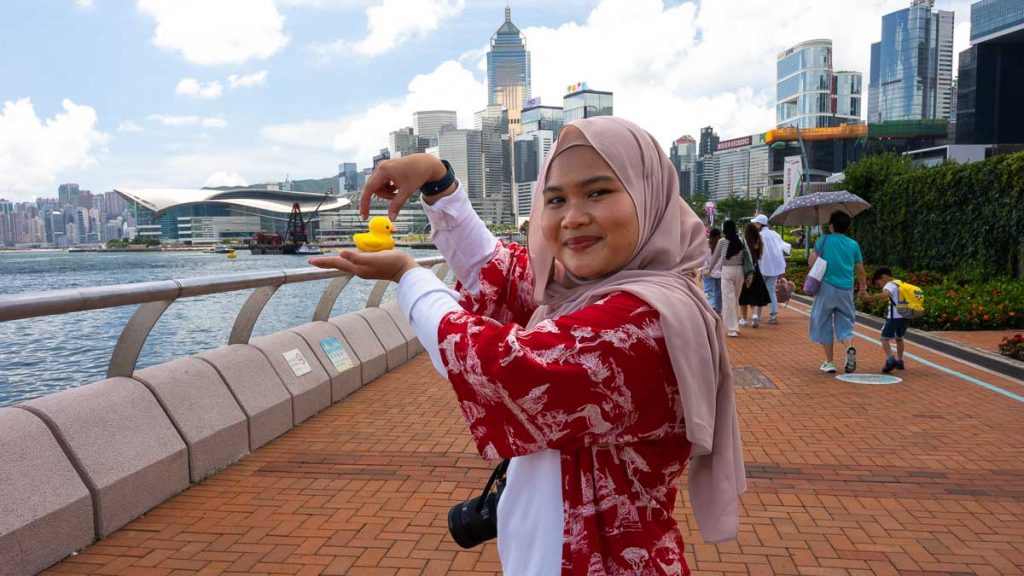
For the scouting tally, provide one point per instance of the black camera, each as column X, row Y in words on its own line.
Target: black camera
column 475, row 521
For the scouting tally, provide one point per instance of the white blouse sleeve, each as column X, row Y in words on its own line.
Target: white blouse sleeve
column 461, row 236
column 425, row 300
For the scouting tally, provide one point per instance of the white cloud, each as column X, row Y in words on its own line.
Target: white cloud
column 195, row 88
column 359, row 137
column 225, row 178
column 175, row 121
column 676, row 68
column 34, row 151
column 127, row 127
column 393, row 22
column 84, row 3
column 221, row 32
column 331, row 4
column 673, row 67
column 248, row 80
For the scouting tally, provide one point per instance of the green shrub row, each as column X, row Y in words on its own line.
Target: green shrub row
column 954, row 217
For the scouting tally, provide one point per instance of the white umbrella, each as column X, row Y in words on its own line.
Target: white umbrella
column 814, row 209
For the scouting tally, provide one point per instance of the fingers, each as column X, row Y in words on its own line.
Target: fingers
column 396, row 204
column 383, row 184
column 348, row 261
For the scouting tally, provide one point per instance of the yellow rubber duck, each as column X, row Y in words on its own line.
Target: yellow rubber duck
column 378, row 238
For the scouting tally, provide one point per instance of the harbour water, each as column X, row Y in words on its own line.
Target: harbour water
column 42, row 355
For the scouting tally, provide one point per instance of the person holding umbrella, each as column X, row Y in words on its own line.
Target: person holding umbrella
column 833, row 312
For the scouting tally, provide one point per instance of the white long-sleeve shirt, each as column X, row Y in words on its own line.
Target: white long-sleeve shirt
column 773, row 260
column 530, row 511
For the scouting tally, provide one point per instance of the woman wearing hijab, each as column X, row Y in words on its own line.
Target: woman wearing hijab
column 593, row 361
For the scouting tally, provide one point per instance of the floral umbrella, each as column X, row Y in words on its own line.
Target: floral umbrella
column 814, row 209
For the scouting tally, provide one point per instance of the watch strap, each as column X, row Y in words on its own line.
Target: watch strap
column 436, row 187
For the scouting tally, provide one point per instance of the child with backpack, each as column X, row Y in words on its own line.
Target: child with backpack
column 906, row 302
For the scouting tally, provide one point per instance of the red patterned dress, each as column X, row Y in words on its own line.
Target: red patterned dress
column 597, row 386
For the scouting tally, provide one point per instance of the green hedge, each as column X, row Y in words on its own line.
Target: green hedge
column 955, row 217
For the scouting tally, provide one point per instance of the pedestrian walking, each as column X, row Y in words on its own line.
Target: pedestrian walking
column 713, row 273
column 833, row 312
column 772, row 263
column 734, row 261
column 754, row 293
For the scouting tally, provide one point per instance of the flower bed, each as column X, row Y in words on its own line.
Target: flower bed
column 951, row 302
column 1013, row 346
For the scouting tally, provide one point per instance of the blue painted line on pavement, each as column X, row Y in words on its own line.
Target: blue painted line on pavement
column 939, row 367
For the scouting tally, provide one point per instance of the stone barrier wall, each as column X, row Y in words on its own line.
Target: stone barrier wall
column 77, row 465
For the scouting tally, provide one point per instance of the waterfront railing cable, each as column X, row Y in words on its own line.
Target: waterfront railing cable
column 154, row 298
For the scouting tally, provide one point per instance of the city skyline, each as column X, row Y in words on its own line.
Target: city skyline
column 169, row 106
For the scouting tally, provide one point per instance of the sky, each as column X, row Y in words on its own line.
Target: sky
column 190, row 93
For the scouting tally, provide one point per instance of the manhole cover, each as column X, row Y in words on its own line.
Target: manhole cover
column 750, row 377
column 871, row 379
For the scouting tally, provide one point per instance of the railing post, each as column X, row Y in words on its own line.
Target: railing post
column 377, row 294
column 327, row 300
column 249, row 314
column 133, row 338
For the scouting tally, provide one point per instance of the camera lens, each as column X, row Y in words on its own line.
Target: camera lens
column 475, row 521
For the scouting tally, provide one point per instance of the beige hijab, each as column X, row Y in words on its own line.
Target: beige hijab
column 671, row 246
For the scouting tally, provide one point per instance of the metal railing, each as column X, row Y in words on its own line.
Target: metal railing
column 156, row 297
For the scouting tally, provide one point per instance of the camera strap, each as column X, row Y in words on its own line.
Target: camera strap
column 499, row 476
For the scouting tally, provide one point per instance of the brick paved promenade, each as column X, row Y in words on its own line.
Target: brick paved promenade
column 921, row 478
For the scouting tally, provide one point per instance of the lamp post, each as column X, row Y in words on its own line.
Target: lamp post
column 805, row 180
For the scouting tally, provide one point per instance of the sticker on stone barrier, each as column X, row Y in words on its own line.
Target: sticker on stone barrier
column 870, row 379
column 297, row 362
column 336, row 352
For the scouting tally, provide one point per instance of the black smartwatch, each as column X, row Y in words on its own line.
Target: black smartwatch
column 436, row 187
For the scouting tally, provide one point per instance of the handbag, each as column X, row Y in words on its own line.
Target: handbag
column 783, row 290
column 813, row 281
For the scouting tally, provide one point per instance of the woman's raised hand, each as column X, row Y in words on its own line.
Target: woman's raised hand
column 396, row 180
column 383, row 265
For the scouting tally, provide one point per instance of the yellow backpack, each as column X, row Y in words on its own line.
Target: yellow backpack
column 909, row 300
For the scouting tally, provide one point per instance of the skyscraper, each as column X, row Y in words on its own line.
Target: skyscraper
column 462, row 149
column 348, row 178
column 429, row 123
column 809, row 94
column 404, row 142
column 68, row 194
column 991, row 84
column 704, row 169
column 849, row 107
column 492, row 122
column 582, row 102
column 684, row 157
column 508, row 67
column 912, row 65
column 541, row 125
